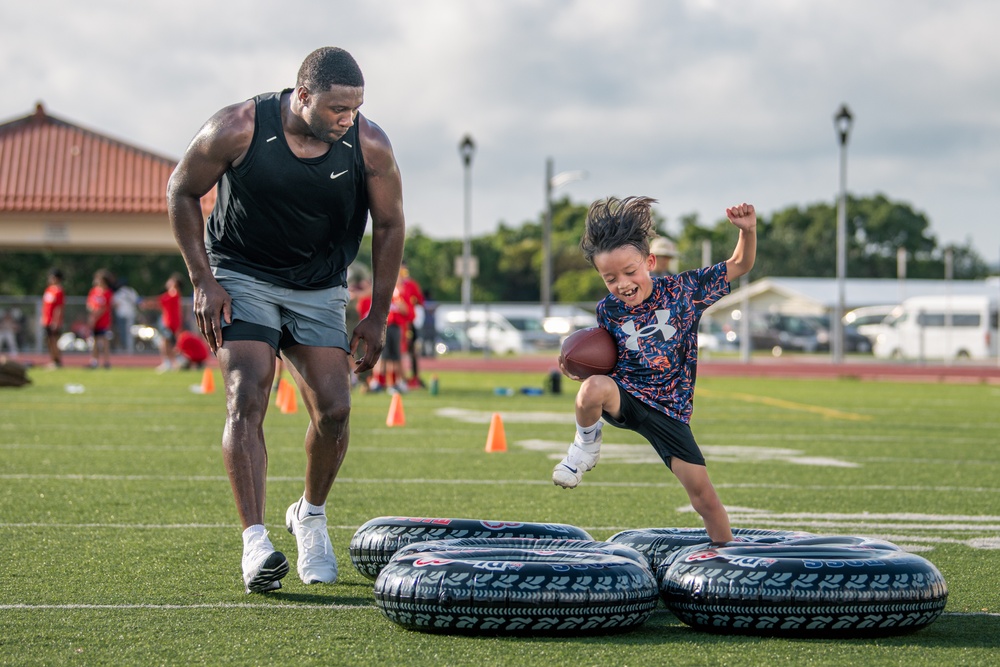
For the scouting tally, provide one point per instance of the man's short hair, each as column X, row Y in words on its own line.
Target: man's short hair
column 327, row 67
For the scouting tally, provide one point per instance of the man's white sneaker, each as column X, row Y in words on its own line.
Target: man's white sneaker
column 316, row 563
column 263, row 567
column 577, row 461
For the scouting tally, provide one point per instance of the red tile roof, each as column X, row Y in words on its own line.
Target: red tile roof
column 51, row 165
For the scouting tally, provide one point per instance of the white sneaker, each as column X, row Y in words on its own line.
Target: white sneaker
column 263, row 567
column 316, row 563
column 577, row 461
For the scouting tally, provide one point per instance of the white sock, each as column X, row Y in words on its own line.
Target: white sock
column 305, row 509
column 587, row 435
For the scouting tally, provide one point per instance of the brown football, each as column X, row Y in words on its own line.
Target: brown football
column 589, row 352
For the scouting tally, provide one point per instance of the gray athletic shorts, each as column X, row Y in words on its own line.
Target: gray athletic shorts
column 283, row 317
column 669, row 437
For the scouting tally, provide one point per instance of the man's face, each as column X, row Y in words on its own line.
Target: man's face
column 331, row 113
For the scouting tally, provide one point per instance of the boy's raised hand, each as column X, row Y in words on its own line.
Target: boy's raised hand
column 743, row 216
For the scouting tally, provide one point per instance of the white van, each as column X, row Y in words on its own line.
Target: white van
column 487, row 330
column 940, row 327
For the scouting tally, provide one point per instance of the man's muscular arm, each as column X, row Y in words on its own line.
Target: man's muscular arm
column 221, row 142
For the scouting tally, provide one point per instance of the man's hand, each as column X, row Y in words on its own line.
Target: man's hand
column 212, row 305
column 371, row 334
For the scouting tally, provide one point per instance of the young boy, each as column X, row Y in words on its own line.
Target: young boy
column 654, row 321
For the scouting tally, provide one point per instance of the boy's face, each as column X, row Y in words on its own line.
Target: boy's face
column 626, row 273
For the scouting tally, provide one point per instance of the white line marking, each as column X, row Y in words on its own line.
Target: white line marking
column 283, row 607
column 504, row 482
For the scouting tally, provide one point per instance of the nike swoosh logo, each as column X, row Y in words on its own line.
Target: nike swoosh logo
column 338, row 175
column 572, row 470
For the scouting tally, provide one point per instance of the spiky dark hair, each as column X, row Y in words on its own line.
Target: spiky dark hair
column 616, row 223
column 329, row 66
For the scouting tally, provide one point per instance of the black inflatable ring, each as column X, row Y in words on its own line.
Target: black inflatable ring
column 516, row 591
column 659, row 543
column 824, row 540
column 376, row 541
column 475, row 545
column 804, row 590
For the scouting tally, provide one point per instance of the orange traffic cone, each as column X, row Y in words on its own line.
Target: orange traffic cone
column 279, row 397
column 207, row 382
column 496, row 441
column 396, row 417
column 291, row 404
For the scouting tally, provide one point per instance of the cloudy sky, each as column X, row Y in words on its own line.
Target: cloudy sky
column 698, row 103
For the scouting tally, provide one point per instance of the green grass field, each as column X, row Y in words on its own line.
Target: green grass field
column 119, row 542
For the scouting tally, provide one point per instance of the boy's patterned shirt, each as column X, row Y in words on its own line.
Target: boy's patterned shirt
column 658, row 339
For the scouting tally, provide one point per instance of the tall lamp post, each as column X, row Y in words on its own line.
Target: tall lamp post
column 842, row 122
column 467, row 149
column 552, row 182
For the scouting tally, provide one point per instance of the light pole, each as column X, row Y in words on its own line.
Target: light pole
column 842, row 121
column 551, row 183
column 467, row 148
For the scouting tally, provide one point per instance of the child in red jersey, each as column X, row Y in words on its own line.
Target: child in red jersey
column 654, row 321
column 53, row 309
column 99, row 318
column 171, row 321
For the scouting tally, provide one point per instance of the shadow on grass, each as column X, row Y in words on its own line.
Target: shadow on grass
column 663, row 628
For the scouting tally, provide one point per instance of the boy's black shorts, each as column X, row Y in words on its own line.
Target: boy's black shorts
column 668, row 436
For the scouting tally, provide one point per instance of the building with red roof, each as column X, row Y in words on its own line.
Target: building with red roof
column 65, row 188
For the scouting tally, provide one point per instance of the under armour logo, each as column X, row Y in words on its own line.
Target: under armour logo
column 661, row 325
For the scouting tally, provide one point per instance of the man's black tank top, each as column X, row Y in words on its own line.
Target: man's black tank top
column 291, row 221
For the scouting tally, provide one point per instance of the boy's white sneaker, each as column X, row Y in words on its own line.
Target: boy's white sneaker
column 316, row 563
column 263, row 567
column 580, row 459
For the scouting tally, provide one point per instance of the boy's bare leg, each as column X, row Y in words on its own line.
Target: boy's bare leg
column 704, row 499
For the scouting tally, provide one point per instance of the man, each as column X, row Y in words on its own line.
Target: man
column 665, row 252
column 297, row 172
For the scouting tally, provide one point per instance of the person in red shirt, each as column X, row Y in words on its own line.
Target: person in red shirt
column 390, row 365
column 171, row 321
column 193, row 348
column 414, row 297
column 99, row 318
column 53, row 308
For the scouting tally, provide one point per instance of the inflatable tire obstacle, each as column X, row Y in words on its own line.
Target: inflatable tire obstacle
column 474, row 545
column 843, row 587
column 376, row 541
column 479, row 589
column 659, row 543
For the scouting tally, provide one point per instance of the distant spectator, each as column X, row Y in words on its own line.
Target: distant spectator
column 665, row 252
column 171, row 321
column 99, row 318
column 53, row 309
column 8, row 332
column 125, row 302
column 414, row 297
column 193, row 350
column 428, row 330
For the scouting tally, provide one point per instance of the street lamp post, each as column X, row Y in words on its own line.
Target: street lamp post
column 842, row 122
column 551, row 183
column 467, row 148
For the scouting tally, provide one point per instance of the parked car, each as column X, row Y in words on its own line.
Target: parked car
column 713, row 336
column 869, row 320
column 781, row 333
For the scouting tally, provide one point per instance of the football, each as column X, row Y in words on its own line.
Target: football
column 589, row 352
